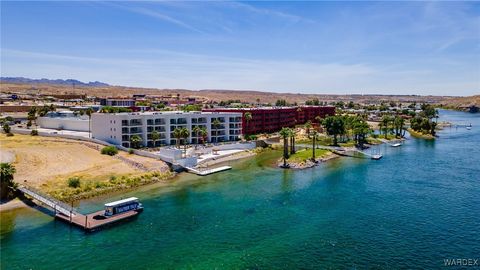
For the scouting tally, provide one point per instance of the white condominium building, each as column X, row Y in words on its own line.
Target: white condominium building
column 118, row 128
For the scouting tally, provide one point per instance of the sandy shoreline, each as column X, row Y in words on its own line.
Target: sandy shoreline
column 12, row 204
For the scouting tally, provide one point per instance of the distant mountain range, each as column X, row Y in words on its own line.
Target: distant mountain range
column 68, row 82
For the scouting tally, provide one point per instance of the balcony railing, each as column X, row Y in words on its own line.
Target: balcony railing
column 135, row 122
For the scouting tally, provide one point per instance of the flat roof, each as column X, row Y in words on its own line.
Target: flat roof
column 171, row 113
column 268, row 108
column 115, row 203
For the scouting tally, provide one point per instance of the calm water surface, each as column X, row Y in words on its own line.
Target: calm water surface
column 418, row 205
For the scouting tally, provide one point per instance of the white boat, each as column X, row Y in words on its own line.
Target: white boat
column 396, row 144
column 122, row 206
column 469, row 127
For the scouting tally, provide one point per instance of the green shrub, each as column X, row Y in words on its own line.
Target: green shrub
column 6, row 128
column 9, row 134
column 34, row 132
column 130, row 151
column 109, row 150
column 73, row 182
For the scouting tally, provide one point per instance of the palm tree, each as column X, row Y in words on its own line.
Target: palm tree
column 360, row 130
column 32, row 115
column 184, row 134
column 314, row 141
column 308, row 126
column 89, row 112
column 204, row 134
column 44, row 110
column 155, row 136
column 248, row 117
column 292, row 141
column 398, row 123
column 385, row 124
column 135, row 140
column 196, row 131
column 177, row 133
column 7, row 185
column 216, row 123
column 285, row 133
column 319, row 119
column 334, row 126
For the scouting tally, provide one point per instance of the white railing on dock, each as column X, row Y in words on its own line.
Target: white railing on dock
column 56, row 205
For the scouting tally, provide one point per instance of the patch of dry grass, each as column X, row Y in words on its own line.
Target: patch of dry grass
column 47, row 163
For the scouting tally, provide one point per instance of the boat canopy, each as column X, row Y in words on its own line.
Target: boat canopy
column 121, row 202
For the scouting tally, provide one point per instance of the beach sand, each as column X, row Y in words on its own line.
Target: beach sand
column 39, row 160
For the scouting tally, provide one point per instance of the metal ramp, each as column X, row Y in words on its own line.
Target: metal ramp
column 56, row 205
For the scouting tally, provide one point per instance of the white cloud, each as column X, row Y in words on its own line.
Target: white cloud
column 170, row 69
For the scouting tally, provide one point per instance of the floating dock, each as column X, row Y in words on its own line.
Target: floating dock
column 69, row 214
column 94, row 221
column 208, row 171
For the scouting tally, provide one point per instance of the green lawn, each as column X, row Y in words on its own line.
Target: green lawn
column 303, row 155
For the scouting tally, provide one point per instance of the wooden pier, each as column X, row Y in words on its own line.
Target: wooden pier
column 62, row 211
column 96, row 220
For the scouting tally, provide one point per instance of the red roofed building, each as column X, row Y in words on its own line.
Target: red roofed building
column 272, row 119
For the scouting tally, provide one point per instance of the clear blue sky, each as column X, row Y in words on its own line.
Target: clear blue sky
column 308, row 47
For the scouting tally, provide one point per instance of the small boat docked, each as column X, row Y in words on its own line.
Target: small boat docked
column 122, row 206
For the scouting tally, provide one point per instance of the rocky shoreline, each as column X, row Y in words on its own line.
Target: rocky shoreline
column 308, row 163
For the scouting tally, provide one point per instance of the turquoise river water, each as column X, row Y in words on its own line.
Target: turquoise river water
column 412, row 209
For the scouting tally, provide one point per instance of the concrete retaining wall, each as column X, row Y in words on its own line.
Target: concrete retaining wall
column 63, row 123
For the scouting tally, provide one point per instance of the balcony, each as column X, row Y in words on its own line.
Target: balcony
column 235, row 119
column 179, row 121
column 162, row 136
column 218, row 133
column 135, row 122
column 160, row 121
column 135, row 130
column 218, row 127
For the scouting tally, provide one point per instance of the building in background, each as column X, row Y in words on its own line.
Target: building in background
column 118, row 128
column 272, row 119
column 64, row 120
column 118, row 102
